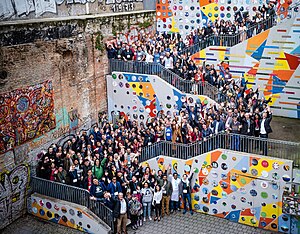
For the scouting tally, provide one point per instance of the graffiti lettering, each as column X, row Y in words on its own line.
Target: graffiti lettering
column 13, row 191
column 26, row 114
column 9, row 8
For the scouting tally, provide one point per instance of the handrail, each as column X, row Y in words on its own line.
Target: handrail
column 231, row 40
column 72, row 194
column 230, row 141
column 178, row 82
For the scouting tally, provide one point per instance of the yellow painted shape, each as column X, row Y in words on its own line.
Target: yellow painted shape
column 147, row 89
column 260, row 168
column 210, row 8
column 269, row 209
column 174, row 27
column 283, row 63
column 236, row 56
column 247, row 220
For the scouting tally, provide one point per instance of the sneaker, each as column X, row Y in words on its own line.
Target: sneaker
column 133, row 228
column 184, row 211
column 178, row 209
column 191, row 212
column 141, row 222
column 150, row 218
column 172, row 211
column 136, row 226
column 144, row 219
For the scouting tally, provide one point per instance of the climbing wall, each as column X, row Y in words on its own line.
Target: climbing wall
column 66, row 213
column 269, row 61
column 240, row 187
column 186, row 15
column 143, row 96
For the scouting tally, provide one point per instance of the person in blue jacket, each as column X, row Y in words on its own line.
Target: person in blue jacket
column 114, row 187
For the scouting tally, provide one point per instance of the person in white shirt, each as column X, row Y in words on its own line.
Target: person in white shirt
column 120, row 213
column 157, row 197
column 175, row 193
column 168, row 61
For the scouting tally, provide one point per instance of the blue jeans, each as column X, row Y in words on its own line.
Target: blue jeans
column 187, row 198
column 147, row 206
column 235, row 142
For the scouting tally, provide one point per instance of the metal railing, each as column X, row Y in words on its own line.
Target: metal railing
column 72, row 194
column 236, row 142
column 231, row 40
column 166, row 74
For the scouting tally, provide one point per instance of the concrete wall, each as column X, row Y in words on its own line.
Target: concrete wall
column 240, row 187
column 65, row 54
column 14, row 188
column 268, row 61
column 65, row 213
column 143, row 96
column 29, row 9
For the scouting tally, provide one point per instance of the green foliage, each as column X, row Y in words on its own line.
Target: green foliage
column 99, row 42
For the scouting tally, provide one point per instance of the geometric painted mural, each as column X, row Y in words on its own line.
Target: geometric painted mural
column 240, row 187
column 26, row 113
column 143, row 96
column 186, row 16
column 268, row 61
column 65, row 213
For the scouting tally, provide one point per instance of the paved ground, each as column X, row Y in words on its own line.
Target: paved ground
column 173, row 224
column 32, row 225
column 195, row 224
column 285, row 129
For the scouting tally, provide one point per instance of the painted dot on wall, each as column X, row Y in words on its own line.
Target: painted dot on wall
column 205, row 209
column 286, row 167
column 63, row 209
column 274, row 225
column 284, row 228
column 34, row 210
column 228, row 15
column 121, row 77
column 41, row 203
column 49, row 214
column 56, row 216
column 253, row 193
column 42, row 212
column 216, row 8
column 64, row 218
column 264, row 174
column 115, row 91
column 72, row 212
column 88, row 226
column 254, row 162
column 72, row 221
column 79, row 214
column 48, row 205
column 264, row 195
column 114, row 76
column 265, row 163
column 286, row 178
column 80, row 223
column 228, row 8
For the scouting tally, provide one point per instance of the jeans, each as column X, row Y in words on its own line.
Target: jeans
column 264, row 144
column 187, row 199
column 235, row 142
column 147, row 206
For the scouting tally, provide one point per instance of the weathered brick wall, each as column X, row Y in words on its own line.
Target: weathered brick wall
column 65, row 53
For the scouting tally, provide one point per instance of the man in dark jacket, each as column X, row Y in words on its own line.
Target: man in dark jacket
column 185, row 191
column 265, row 129
column 247, row 130
column 166, row 187
column 121, row 212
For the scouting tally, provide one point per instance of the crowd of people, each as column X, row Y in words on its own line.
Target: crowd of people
column 105, row 160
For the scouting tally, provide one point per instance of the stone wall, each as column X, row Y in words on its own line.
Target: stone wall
column 64, row 53
column 28, row 9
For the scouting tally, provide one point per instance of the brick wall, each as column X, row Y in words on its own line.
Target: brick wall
column 65, row 53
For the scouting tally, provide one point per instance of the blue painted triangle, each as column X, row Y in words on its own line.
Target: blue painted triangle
column 277, row 81
column 233, row 216
column 143, row 100
column 243, row 163
column 213, row 199
column 179, row 95
column 257, row 54
column 296, row 51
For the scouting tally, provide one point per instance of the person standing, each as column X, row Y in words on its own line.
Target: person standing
column 157, row 197
column 120, row 213
column 185, row 192
column 147, row 200
column 175, row 192
column 265, row 129
column 166, row 188
column 134, row 208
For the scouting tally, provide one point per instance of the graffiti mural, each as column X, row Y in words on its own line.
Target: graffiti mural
column 25, row 114
column 13, row 191
column 73, row 117
column 120, row 5
column 20, row 8
column 145, row 96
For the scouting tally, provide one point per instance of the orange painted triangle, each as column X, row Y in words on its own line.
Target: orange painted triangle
column 284, row 74
column 253, row 71
column 205, row 2
column 266, row 220
column 215, row 156
column 292, row 60
column 268, row 227
column 246, row 212
column 256, row 41
column 221, row 215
